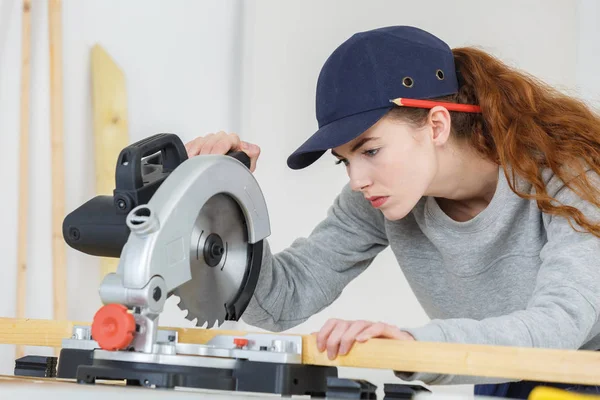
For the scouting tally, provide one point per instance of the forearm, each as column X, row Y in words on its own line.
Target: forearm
column 286, row 294
column 299, row 282
column 306, row 277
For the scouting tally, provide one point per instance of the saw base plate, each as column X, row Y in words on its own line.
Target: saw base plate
column 245, row 376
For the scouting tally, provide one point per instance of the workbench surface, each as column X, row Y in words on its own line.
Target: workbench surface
column 24, row 388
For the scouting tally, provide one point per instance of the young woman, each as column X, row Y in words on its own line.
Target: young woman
column 483, row 181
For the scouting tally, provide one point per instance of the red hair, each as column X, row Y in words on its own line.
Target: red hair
column 528, row 126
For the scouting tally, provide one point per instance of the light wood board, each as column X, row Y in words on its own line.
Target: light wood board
column 109, row 101
column 59, row 260
column 24, row 150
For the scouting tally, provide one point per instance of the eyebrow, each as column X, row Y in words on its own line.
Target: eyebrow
column 357, row 146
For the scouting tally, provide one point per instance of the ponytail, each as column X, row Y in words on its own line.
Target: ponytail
column 527, row 126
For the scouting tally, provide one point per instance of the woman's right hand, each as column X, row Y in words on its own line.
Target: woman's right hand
column 222, row 143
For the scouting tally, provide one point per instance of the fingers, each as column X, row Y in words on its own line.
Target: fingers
column 324, row 333
column 222, row 143
column 381, row 330
column 349, row 337
column 194, row 147
column 338, row 336
column 230, row 142
column 213, row 143
column 334, row 339
column 253, row 152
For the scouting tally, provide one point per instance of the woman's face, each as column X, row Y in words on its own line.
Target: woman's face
column 395, row 163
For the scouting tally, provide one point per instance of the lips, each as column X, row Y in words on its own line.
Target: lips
column 377, row 201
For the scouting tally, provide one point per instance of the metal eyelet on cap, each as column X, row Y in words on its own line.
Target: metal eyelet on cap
column 408, row 81
column 440, row 74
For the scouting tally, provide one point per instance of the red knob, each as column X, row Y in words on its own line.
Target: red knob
column 240, row 342
column 113, row 327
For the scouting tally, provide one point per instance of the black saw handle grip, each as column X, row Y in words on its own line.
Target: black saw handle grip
column 240, row 156
column 137, row 175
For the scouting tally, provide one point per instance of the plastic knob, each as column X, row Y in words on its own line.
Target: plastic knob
column 240, row 342
column 113, row 327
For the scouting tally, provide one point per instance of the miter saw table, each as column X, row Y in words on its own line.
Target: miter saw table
column 191, row 228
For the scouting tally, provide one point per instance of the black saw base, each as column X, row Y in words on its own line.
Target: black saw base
column 246, row 376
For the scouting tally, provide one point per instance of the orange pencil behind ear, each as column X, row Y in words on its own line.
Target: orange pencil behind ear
column 403, row 102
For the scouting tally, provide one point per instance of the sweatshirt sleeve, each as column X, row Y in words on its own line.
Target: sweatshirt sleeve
column 564, row 308
column 309, row 275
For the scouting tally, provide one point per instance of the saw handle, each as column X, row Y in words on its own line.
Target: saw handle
column 241, row 157
column 130, row 174
column 143, row 166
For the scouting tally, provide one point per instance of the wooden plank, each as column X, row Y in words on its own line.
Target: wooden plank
column 23, row 166
column 42, row 332
column 548, row 365
column 109, row 101
column 59, row 276
column 35, row 332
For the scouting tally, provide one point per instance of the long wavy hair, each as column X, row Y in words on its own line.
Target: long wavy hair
column 527, row 125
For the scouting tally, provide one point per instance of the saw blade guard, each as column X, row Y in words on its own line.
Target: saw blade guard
column 160, row 244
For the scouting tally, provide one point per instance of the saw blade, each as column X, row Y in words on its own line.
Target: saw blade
column 218, row 261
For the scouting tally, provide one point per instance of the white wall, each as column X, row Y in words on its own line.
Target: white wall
column 588, row 51
column 196, row 67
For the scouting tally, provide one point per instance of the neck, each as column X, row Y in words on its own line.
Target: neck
column 465, row 176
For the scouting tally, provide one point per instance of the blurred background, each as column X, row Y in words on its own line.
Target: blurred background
column 247, row 66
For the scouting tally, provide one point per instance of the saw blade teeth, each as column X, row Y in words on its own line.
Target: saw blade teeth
column 181, row 305
column 202, row 323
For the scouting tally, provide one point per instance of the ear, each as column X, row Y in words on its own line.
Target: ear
column 440, row 121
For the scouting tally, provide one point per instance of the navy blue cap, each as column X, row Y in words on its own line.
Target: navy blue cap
column 364, row 73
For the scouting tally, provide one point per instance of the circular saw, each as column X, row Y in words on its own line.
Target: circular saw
column 193, row 228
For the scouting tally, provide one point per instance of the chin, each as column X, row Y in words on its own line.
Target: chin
column 395, row 214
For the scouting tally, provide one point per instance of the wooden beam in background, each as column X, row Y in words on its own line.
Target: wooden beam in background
column 59, row 276
column 23, row 202
column 109, row 101
column 547, row 365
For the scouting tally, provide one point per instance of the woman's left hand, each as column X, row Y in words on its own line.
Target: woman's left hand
column 338, row 336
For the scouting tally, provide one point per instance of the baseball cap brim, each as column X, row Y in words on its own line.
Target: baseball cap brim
column 332, row 135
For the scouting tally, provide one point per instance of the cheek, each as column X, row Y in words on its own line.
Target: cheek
column 409, row 172
column 421, row 164
column 407, row 180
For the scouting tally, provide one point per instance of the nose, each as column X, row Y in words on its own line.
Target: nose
column 358, row 179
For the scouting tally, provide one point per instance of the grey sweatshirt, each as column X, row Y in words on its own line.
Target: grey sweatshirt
column 510, row 276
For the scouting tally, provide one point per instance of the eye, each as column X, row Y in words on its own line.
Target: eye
column 340, row 161
column 371, row 152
